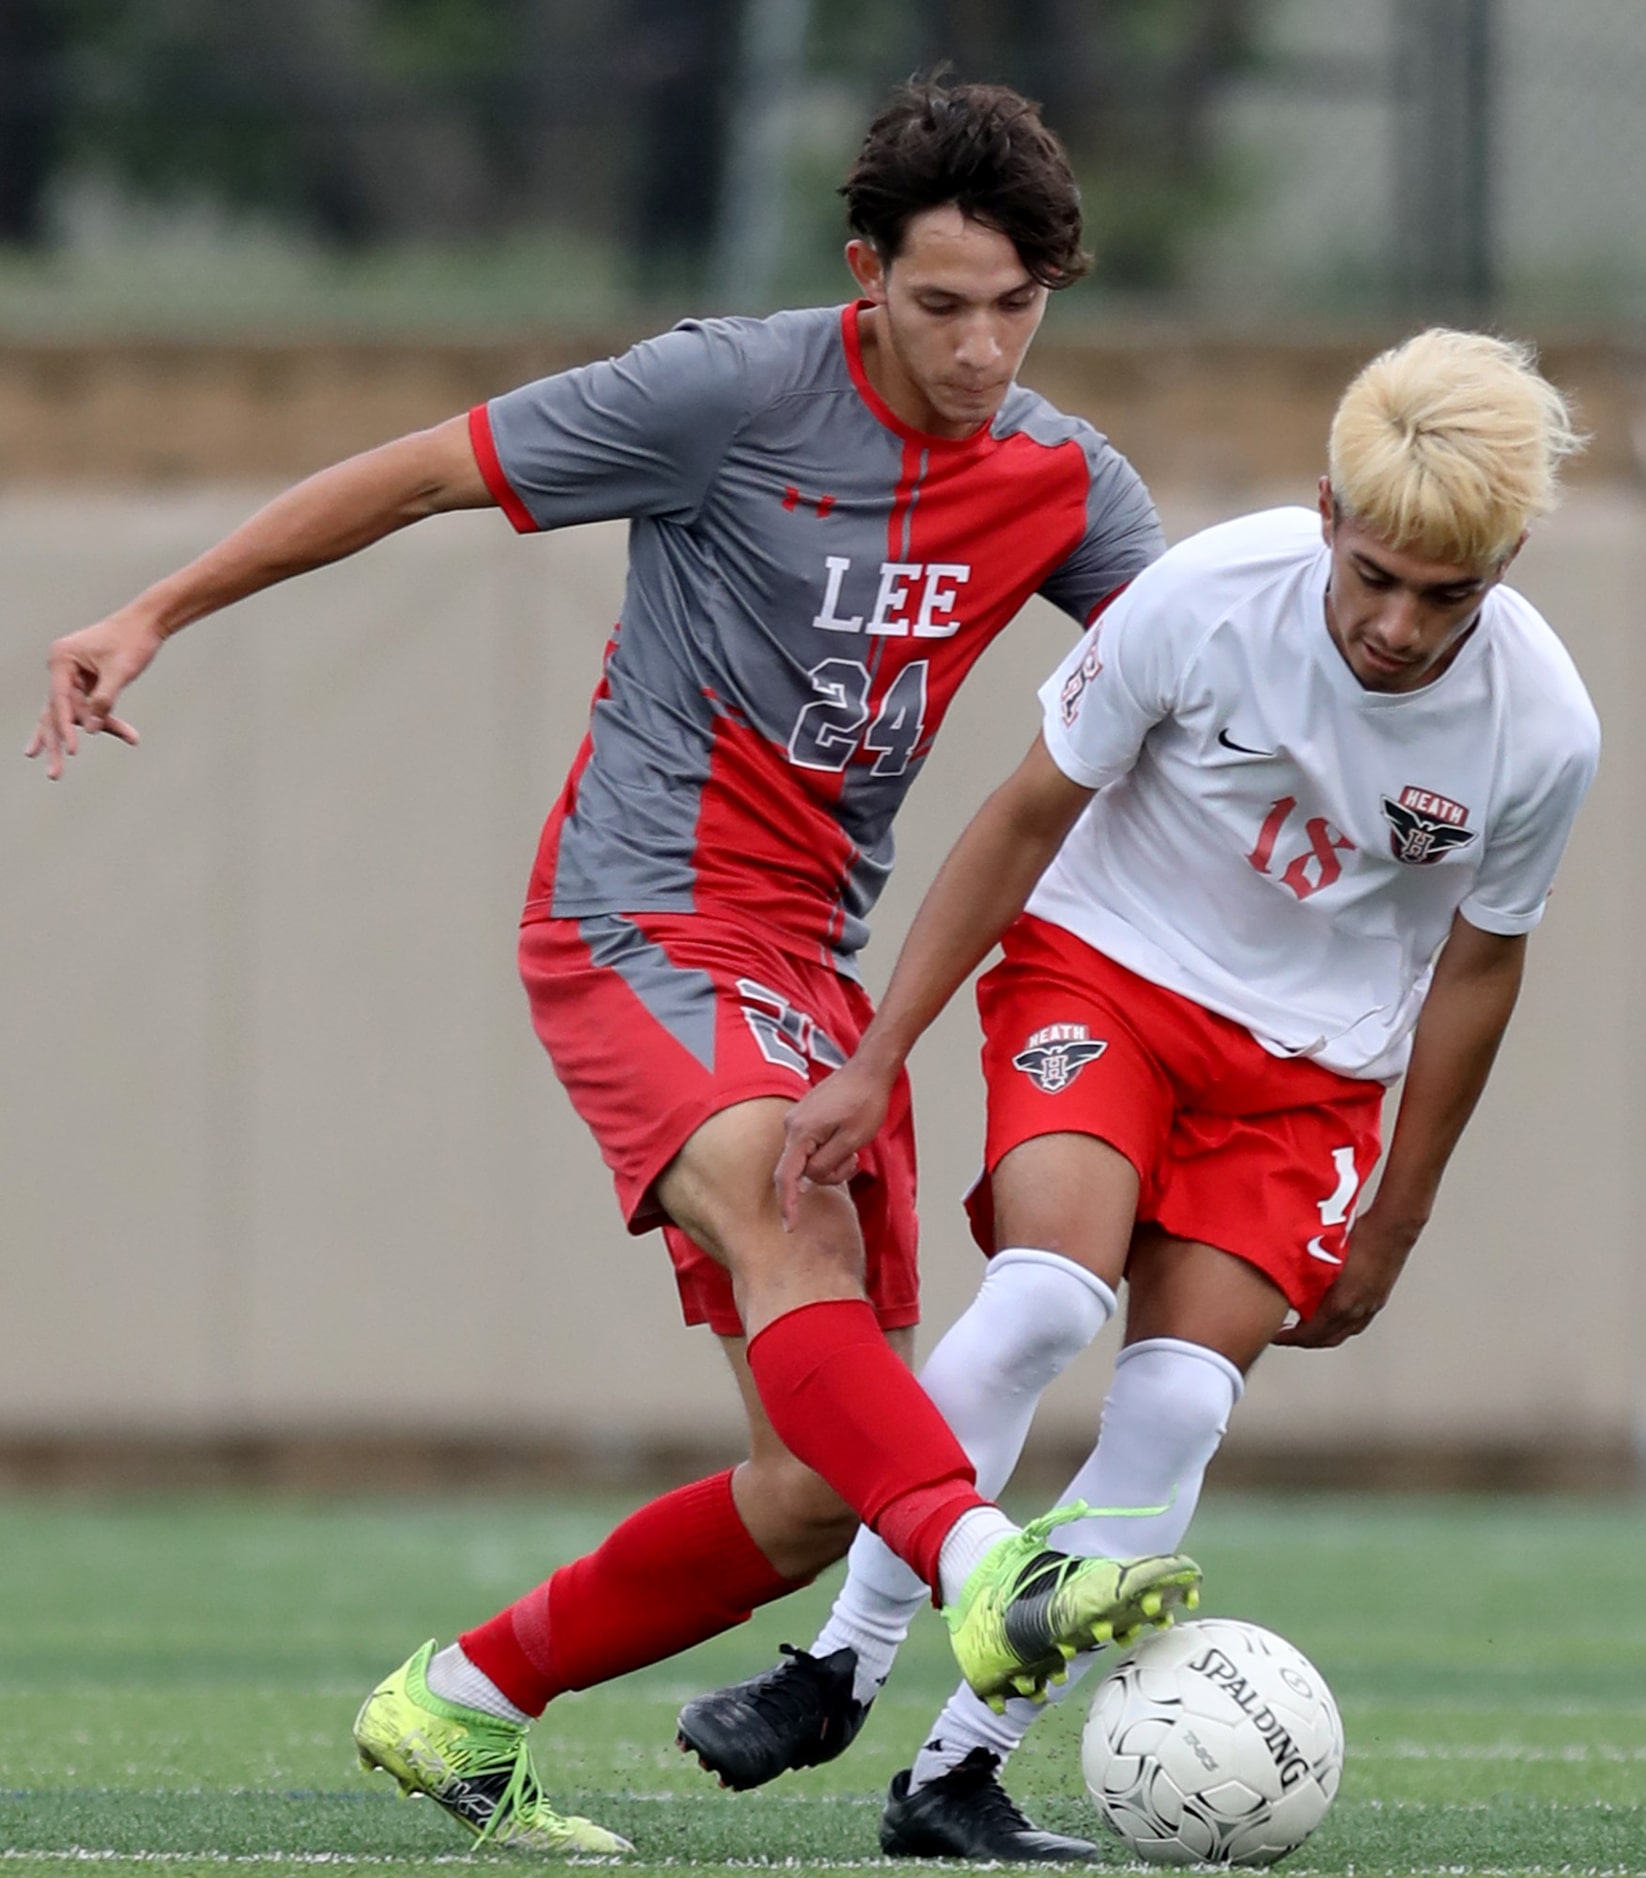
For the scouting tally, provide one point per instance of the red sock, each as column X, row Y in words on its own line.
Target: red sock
column 680, row 1570
column 839, row 1399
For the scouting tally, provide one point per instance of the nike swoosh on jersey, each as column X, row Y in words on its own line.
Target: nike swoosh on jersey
column 1317, row 1251
column 1242, row 749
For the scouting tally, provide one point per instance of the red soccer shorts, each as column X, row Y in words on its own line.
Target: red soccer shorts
column 656, row 1021
column 1259, row 1155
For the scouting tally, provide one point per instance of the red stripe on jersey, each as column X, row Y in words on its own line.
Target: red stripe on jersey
column 908, row 479
column 540, row 890
column 1008, row 520
column 491, row 471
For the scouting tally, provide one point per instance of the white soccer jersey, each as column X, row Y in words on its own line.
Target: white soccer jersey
column 1273, row 840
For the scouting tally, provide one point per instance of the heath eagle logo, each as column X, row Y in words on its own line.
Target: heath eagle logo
column 1053, row 1057
column 1424, row 827
column 1077, row 681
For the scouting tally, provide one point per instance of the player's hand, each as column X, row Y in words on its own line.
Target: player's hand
column 1372, row 1262
column 825, row 1129
column 88, row 671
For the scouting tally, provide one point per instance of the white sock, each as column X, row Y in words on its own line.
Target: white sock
column 967, row 1722
column 1168, row 1409
column 1033, row 1314
column 454, row 1678
column 872, row 1612
column 973, row 1533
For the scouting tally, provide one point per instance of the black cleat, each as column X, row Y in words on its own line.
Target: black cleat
column 968, row 1814
column 800, row 1714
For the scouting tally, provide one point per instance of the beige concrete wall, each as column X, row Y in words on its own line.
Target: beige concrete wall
column 278, row 1151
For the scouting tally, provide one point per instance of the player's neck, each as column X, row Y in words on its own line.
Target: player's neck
column 896, row 389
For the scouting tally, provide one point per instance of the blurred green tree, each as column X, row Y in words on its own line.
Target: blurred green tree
column 31, row 111
column 371, row 120
column 355, row 118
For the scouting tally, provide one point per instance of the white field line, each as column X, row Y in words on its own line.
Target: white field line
column 1571, row 1753
column 88, row 1855
column 94, row 1855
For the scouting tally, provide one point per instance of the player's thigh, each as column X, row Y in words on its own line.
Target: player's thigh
column 1192, row 1291
column 656, row 1023
column 1078, row 1102
column 1072, row 1194
column 1276, row 1185
column 719, row 1190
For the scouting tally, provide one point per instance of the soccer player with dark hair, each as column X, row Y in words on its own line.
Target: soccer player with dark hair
column 833, row 512
column 1295, row 808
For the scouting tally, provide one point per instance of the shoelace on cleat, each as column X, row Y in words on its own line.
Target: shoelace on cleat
column 788, row 1694
column 975, row 1779
column 482, row 1759
column 1030, row 1543
column 1036, row 1568
column 521, row 1799
column 1037, row 1529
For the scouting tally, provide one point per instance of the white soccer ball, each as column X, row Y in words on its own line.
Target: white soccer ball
column 1214, row 1742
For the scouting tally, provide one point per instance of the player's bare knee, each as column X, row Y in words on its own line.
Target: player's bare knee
column 798, row 1520
column 822, row 1524
column 776, row 1272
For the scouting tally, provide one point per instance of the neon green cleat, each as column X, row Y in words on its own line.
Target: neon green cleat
column 477, row 1767
column 1025, row 1609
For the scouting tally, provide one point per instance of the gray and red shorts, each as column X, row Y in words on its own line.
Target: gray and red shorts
column 1259, row 1155
column 656, row 1021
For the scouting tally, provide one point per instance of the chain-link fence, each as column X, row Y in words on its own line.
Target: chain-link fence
column 494, row 162
column 1436, row 158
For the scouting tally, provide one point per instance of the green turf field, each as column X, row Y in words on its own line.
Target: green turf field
column 177, row 1680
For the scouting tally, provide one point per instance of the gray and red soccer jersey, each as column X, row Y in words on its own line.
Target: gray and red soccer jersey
column 809, row 581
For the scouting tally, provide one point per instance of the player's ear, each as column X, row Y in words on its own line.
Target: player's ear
column 1327, row 504
column 1507, row 562
column 868, row 270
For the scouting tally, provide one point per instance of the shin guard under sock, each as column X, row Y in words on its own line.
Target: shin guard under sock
column 841, row 1401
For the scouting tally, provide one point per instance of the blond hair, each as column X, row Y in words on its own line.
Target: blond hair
column 1450, row 445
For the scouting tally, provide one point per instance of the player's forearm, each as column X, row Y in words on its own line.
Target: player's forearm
column 979, row 890
column 1455, row 1044
column 324, row 518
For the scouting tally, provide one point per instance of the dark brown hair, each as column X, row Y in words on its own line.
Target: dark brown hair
column 981, row 147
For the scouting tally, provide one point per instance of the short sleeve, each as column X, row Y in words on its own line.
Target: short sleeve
column 642, row 434
column 1122, row 537
column 1117, row 683
column 1517, row 870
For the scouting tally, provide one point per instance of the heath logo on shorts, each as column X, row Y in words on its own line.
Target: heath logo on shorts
column 1424, row 827
column 1053, row 1057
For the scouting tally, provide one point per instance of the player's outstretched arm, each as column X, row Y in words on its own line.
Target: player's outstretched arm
column 1470, row 1000
column 328, row 516
column 979, row 890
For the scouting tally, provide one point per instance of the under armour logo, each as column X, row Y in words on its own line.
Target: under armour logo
column 793, row 499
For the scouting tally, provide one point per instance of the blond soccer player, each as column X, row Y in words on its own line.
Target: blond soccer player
column 1294, row 810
